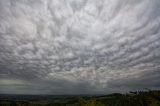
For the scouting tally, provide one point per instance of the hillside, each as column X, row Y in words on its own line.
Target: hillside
column 138, row 98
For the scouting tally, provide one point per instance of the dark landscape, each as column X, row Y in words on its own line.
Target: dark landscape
column 138, row 98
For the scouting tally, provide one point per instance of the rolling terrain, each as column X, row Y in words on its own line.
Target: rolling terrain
column 137, row 98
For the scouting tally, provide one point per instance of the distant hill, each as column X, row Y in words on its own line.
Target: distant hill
column 138, row 98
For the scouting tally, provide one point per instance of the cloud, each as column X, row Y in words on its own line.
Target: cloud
column 75, row 47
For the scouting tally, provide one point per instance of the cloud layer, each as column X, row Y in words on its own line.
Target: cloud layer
column 79, row 46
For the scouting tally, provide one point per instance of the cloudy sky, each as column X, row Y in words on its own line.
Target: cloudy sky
column 79, row 46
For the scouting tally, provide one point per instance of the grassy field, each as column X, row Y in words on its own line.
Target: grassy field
column 138, row 98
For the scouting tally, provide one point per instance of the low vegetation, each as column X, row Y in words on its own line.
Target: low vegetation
column 138, row 98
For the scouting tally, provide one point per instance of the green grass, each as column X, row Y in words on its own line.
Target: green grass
column 140, row 98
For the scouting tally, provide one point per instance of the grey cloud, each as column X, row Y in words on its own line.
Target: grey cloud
column 83, row 46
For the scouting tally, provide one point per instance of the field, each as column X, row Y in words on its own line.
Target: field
column 138, row 98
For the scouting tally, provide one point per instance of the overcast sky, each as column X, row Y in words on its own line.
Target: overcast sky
column 79, row 46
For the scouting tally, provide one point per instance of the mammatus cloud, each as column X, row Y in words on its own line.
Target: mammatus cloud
column 79, row 46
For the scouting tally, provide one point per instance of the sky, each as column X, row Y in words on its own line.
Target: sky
column 79, row 46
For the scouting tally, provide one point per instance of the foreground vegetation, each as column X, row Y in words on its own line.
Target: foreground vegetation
column 139, row 98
